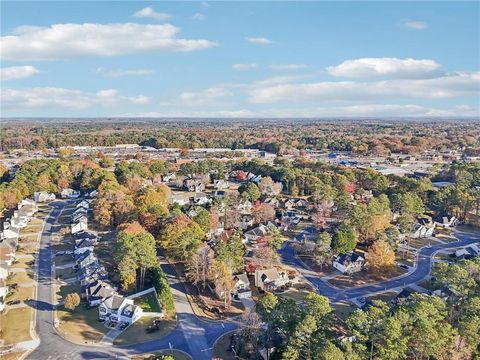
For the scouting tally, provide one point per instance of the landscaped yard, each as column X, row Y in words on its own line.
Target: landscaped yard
column 365, row 277
column 430, row 285
column 385, row 296
column 222, row 349
column 20, row 278
column 65, row 273
column 63, row 260
column 81, row 325
column 343, row 309
column 18, row 328
column 148, row 302
column 137, row 333
column 21, row 293
column 297, row 292
column 419, row 243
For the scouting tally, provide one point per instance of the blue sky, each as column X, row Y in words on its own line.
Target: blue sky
column 240, row 59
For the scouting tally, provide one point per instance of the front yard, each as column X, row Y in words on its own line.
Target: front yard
column 365, row 277
column 296, row 292
column 137, row 333
column 343, row 309
column 177, row 355
column 80, row 325
column 18, row 328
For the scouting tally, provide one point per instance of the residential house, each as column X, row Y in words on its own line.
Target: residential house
column 169, row 177
column 201, row 199
column 69, row 194
column 3, row 284
column 43, row 196
column 92, row 194
column 97, row 291
column 193, row 185
column 85, row 258
column 7, row 253
column 468, row 252
column 84, row 245
column 221, row 184
column 270, row 279
column 76, row 217
column 241, row 286
column 92, row 273
column 119, row 309
column 422, row 231
column 219, row 194
column 254, row 234
column 272, row 201
column 84, row 235
column 19, row 221
column 245, row 206
column 349, row 263
column 180, row 199
column 83, row 204
column 245, row 221
column 80, row 225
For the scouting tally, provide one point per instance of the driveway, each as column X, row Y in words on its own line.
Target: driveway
column 192, row 335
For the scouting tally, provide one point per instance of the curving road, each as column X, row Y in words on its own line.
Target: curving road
column 422, row 269
column 192, row 335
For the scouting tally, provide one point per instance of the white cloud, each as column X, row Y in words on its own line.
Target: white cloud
column 148, row 12
column 205, row 97
column 244, row 66
column 17, row 72
column 401, row 68
column 356, row 111
column 199, row 17
column 52, row 97
column 447, row 86
column 414, row 24
column 259, row 40
column 123, row 72
column 204, row 4
column 287, row 66
column 63, row 41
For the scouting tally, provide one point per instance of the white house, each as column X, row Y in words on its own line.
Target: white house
column 43, row 196
column 241, row 286
column 245, row 206
column 221, row 184
column 85, row 258
column 180, row 199
column 201, row 199
column 92, row 194
column 270, row 279
column 119, row 309
column 84, row 245
column 83, row 204
column 422, row 231
column 349, row 263
column 468, row 252
column 69, row 194
column 81, row 225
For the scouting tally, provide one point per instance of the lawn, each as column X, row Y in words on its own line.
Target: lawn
column 18, row 328
column 148, row 302
column 177, row 355
column 296, row 293
column 23, row 262
column 430, row 285
column 365, row 277
column 137, row 333
column 65, row 273
column 419, row 243
column 384, row 296
column 81, row 325
column 343, row 309
column 63, row 260
column 21, row 293
column 20, row 278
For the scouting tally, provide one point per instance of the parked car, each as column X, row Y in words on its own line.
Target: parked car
column 13, row 302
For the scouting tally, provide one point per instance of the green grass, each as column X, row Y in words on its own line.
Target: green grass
column 65, row 273
column 137, row 333
column 63, row 260
column 81, row 325
column 343, row 309
column 148, row 302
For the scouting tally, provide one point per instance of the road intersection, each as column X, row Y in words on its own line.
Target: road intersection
column 192, row 334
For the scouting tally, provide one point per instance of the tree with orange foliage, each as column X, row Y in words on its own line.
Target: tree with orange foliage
column 381, row 256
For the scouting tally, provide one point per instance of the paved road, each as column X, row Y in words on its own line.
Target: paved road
column 422, row 270
column 191, row 335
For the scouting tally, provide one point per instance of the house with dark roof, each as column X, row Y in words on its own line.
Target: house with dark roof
column 270, row 279
column 119, row 309
column 85, row 258
column 349, row 263
column 96, row 292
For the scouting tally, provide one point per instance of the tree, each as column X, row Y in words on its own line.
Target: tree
column 344, row 240
column 72, row 300
column 181, row 237
column 263, row 213
column 200, row 266
column 323, row 248
column 202, row 219
column 322, row 212
column 232, row 252
column 134, row 249
column 223, row 280
column 381, row 256
column 250, row 192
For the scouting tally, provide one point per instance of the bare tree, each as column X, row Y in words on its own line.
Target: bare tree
column 200, row 266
